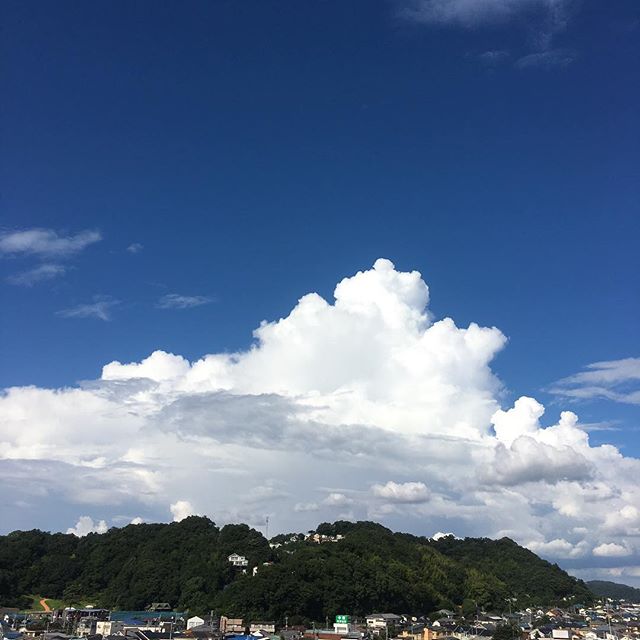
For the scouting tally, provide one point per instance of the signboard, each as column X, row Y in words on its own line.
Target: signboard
column 342, row 619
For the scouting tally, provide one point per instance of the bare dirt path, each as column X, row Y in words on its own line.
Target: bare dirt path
column 44, row 605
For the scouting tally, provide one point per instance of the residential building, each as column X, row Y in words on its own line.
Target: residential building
column 269, row 627
column 382, row 620
column 86, row 627
column 231, row 625
column 109, row 627
column 237, row 560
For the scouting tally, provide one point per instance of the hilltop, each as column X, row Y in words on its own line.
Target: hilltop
column 614, row 590
column 365, row 567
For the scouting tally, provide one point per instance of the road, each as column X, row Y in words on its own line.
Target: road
column 44, row 605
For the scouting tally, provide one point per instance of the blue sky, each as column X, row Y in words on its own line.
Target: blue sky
column 187, row 171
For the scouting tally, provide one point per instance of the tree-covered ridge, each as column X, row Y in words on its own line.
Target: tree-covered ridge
column 614, row 590
column 516, row 571
column 186, row 564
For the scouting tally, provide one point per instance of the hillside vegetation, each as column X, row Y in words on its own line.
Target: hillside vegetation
column 613, row 590
column 186, row 564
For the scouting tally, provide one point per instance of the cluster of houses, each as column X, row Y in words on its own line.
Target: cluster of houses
column 608, row 621
column 317, row 538
column 605, row 622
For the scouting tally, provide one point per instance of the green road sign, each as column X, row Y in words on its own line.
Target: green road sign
column 341, row 619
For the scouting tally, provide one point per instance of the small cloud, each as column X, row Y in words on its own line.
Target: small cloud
column 135, row 247
column 611, row 550
column 304, row 507
column 337, row 500
column 440, row 534
column 182, row 509
column 558, row 548
column 137, row 520
column 100, row 309
column 267, row 491
column 46, row 242
column 86, row 525
column 177, row 301
column 546, row 59
column 411, row 492
column 47, row 271
column 494, row 57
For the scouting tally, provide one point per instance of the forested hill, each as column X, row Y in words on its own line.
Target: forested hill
column 614, row 590
column 369, row 569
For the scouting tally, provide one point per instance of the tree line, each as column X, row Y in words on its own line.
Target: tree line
column 372, row 569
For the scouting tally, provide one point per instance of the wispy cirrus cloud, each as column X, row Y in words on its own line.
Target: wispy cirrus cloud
column 101, row 309
column 493, row 57
column 41, row 273
column 46, row 242
column 135, row 247
column 46, row 246
column 542, row 20
column 617, row 380
column 476, row 13
column 178, row 301
column 546, row 59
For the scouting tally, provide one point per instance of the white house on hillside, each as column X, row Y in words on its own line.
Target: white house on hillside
column 238, row 560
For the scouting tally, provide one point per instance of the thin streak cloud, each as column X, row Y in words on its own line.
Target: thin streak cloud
column 100, row 309
column 178, row 301
column 46, row 242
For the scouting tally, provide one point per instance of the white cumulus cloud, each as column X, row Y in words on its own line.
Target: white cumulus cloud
column 336, row 499
column 86, row 525
column 343, row 393
column 611, row 550
column 402, row 492
column 181, row 509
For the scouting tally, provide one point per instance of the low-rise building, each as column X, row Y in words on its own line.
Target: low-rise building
column 382, row 620
column 231, row 625
column 109, row 627
column 237, row 560
column 268, row 627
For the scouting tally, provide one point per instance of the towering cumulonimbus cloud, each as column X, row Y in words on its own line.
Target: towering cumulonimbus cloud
column 364, row 407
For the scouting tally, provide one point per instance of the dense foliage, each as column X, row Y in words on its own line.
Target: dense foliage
column 613, row 590
column 186, row 564
column 501, row 569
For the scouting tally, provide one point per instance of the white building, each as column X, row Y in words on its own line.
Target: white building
column 238, row 560
column 256, row 627
column 382, row 620
column 109, row 627
column 195, row 621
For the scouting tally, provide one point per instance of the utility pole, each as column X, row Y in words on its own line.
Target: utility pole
column 266, row 527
